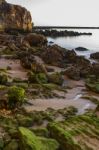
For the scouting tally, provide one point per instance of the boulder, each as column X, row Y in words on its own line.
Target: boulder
column 35, row 39
column 95, row 69
column 26, row 59
column 29, row 61
column 55, row 78
column 54, row 55
column 81, row 49
column 95, row 55
column 70, row 56
column 73, row 72
column 29, row 141
column 82, row 62
column 60, row 57
column 14, row 17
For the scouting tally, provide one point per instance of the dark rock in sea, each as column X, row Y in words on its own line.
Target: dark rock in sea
column 14, row 17
column 78, row 67
column 95, row 55
column 58, row 56
column 81, row 49
column 55, row 33
column 35, row 39
column 51, row 42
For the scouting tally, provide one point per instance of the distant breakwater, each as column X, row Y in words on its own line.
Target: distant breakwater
column 56, row 33
column 63, row 27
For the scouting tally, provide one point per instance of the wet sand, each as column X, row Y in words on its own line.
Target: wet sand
column 17, row 71
column 72, row 98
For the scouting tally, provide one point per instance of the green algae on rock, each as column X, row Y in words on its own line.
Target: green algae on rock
column 93, row 84
column 29, row 141
column 77, row 133
column 13, row 145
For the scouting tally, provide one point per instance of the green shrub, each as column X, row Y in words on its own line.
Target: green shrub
column 15, row 96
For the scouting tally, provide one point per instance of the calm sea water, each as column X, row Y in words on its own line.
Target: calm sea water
column 90, row 42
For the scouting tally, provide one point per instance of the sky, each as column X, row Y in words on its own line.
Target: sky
column 62, row 12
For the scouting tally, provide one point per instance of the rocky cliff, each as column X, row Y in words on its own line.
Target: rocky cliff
column 14, row 17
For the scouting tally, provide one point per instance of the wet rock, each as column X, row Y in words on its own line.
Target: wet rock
column 55, row 78
column 38, row 68
column 95, row 55
column 58, row 56
column 81, row 49
column 95, row 69
column 93, row 86
column 53, row 55
column 51, row 42
column 73, row 72
column 35, row 39
column 70, row 56
column 82, row 61
column 92, row 83
column 26, row 59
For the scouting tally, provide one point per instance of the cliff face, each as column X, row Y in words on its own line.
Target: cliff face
column 14, row 17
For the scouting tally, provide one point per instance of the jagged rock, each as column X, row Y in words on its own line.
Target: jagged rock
column 95, row 55
column 53, row 55
column 58, row 56
column 14, row 17
column 70, row 56
column 95, row 69
column 36, row 39
column 29, row 61
column 73, row 72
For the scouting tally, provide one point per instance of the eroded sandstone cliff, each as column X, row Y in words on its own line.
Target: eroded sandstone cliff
column 14, row 17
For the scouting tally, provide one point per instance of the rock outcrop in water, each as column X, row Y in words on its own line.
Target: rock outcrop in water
column 14, row 17
column 55, row 33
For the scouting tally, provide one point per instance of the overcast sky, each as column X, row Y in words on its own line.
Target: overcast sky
column 62, row 12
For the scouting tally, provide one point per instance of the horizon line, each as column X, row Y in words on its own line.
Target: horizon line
column 46, row 26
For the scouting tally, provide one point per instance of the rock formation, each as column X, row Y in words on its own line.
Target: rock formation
column 14, row 17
